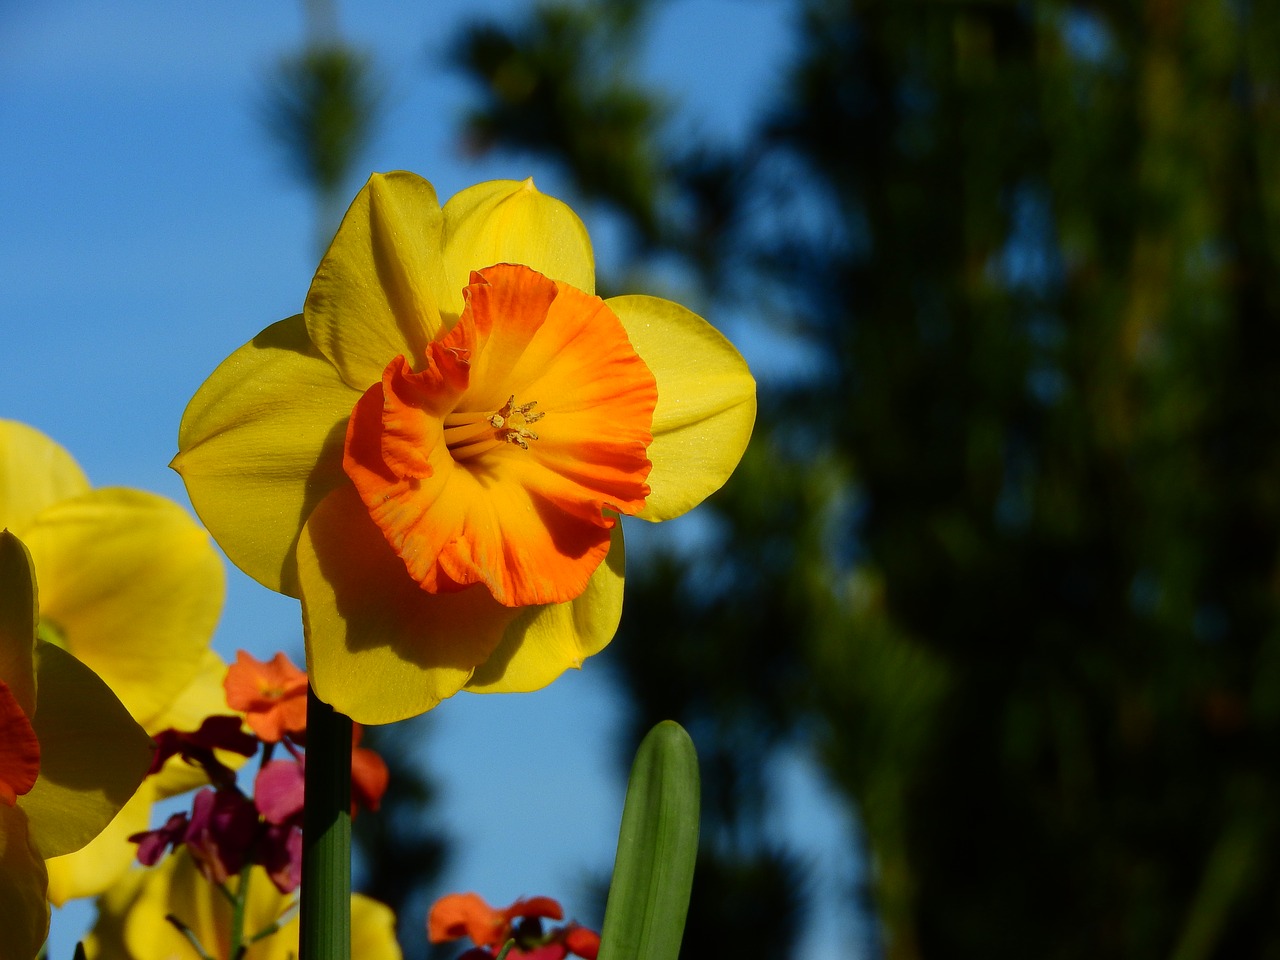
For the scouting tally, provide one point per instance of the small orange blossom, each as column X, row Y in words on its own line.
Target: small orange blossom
column 272, row 696
column 458, row 915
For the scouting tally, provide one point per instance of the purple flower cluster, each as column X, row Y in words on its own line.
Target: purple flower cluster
column 226, row 830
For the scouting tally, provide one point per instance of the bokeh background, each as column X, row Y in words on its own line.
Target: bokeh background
column 981, row 645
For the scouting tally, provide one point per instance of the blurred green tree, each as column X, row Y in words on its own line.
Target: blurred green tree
column 1010, row 548
column 321, row 107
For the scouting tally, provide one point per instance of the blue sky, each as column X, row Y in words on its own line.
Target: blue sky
column 149, row 229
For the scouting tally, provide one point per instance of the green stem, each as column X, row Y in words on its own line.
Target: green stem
column 325, row 918
column 238, row 946
column 190, row 934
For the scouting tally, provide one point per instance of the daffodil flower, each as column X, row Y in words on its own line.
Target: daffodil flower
column 132, row 918
column 434, row 455
column 132, row 587
column 70, row 756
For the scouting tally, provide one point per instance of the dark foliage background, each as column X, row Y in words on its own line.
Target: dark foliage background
column 1008, row 550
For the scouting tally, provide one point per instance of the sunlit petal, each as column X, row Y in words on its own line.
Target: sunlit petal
column 202, row 697
column 93, row 755
column 509, row 221
column 374, row 294
column 380, row 648
column 34, row 473
column 706, row 402
column 131, row 586
column 545, row 641
column 261, row 445
column 98, row 865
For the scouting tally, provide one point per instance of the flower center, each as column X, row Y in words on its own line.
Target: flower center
column 471, row 434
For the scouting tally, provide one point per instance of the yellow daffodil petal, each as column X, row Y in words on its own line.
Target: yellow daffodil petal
column 24, row 911
column 373, row 930
column 131, row 915
column 122, row 906
column 132, row 587
column 19, row 614
column 543, row 642
column 373, row 296
column 706, row 402
column 100, row 864
column 261, row 444
column 203, row 697
column 92, row 754
column 509, row 221
column 132, row 926
column 379, row 648
column 34, row 473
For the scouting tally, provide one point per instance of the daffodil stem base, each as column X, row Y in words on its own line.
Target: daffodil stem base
column 325, row 918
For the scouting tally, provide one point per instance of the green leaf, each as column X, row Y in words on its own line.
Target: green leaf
column 657, row 848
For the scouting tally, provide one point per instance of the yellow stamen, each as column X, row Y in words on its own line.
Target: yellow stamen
column 470, row 434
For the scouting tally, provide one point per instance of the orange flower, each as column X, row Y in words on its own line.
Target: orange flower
column 272, row 696
column 459, row 475
column 19, row 749
column 369, row 774
column 458, row 915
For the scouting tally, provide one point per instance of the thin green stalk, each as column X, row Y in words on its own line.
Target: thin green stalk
column 238, row 946
column 190, row 934
column 325, row 917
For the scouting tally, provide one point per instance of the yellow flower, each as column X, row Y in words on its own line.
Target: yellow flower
column 132, row 587
column 434, row 454
column 70, row 756
column 132, row 926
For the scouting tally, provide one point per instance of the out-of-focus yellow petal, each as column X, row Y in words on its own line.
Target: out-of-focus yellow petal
column 373, row 930
column 131, row 914
column 266, row 906
column 706, row 402
column 509, row 221
column 19, row 615
column 123, row 904
column 204, row 697
column 379, row 648
column 373, row 296
column 92, row 754
column 24, row 912
column 34, row 472
column 97, row 866
column 544, row 642
column 261, row 444
column 106, row 940
column 90, row 871
column 132, row 926
column 133, row 588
